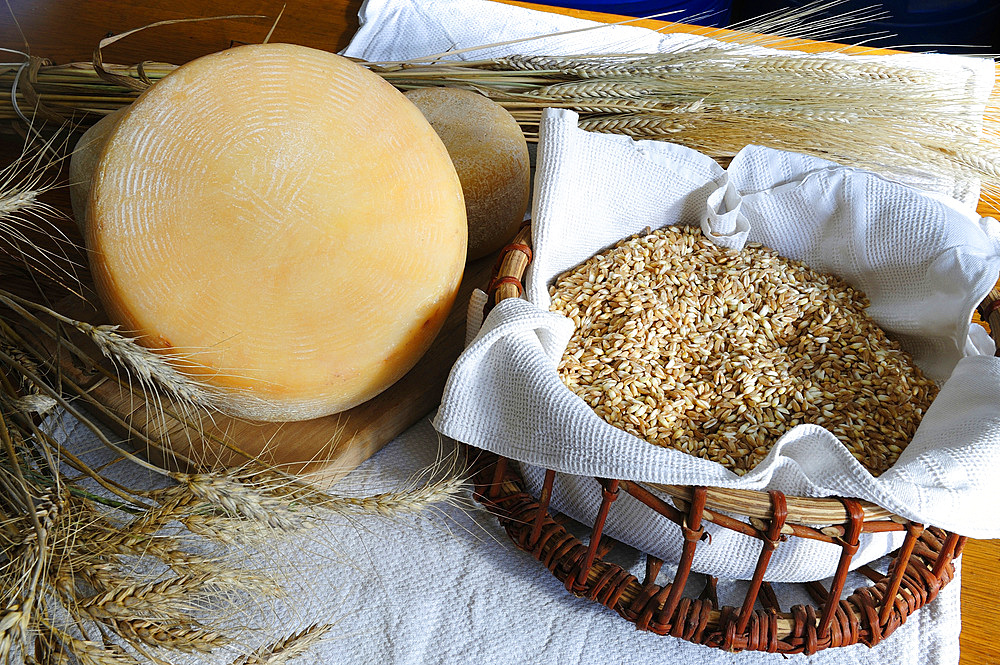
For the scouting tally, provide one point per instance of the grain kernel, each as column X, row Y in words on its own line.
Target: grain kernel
column 695, row 335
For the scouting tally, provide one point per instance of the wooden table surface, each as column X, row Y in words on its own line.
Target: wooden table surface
column 68, row 30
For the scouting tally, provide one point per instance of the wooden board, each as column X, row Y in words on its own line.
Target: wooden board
column 324, row 449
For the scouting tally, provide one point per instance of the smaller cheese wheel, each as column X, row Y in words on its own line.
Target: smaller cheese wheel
column 491, row 156
column 286, row 221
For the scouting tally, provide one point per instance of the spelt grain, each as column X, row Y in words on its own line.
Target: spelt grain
column 718, row 353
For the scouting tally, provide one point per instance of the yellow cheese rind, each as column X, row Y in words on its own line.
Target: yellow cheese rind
column 490, row 154
column 287, row 220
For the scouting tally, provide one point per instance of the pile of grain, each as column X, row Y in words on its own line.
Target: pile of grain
column 718, row 353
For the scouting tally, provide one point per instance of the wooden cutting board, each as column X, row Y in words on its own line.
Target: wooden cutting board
column 324, row 449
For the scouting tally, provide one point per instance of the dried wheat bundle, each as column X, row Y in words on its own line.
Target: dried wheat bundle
column 889, row 114
column 75, row 543
column 96, row 570
column 877, row 112
column 100, row 571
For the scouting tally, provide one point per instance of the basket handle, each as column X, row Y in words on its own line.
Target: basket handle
column 509, row 270
column 989, row 311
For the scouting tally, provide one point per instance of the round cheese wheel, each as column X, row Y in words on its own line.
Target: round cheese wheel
column 283, row 220
column 491, row 156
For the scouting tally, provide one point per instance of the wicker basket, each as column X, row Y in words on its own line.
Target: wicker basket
column 917, row 572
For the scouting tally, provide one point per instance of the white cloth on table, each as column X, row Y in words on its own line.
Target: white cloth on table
column 434, row 26
column 449, row 587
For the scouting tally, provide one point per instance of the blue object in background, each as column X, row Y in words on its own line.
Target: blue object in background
column 916, row 25
column 713, row 13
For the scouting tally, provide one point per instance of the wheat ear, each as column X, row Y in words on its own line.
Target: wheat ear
column 281, row 651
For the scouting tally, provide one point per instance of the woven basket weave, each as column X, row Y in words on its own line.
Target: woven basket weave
column 917, row 572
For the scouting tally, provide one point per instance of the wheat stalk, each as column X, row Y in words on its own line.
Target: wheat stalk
column 286, row 648
column 166, row 380
column 240, row 500
column 25, row 216
column 88, row 652
column 13, row 628
column 169, row 598
column 782, row 99
column 61, row 541
column 876, row 112
column 165, row 635
column 410, row 500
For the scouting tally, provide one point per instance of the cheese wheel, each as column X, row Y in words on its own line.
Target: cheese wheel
column 285, row 220
column 491, row 156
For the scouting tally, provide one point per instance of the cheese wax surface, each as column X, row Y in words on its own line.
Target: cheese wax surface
column 285, row 219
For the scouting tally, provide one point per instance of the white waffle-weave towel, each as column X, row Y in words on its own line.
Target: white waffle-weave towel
column 924, row 261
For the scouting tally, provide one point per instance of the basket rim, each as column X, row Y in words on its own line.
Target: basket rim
column 920, row 569
column 756, row 504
